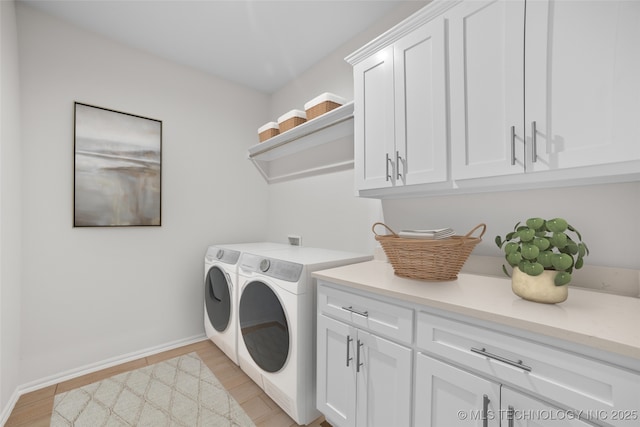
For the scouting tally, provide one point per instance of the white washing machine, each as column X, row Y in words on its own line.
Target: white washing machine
column 220, row 292
column 276, row 335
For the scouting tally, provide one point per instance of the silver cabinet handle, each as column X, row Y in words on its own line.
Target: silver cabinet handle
column 510, row 415
column 353, row 310
column 398, row 162
column 485, row 410
column 388, row 161
column 534, row 142
column 349, row 359
column 358, row 363
column 517, row 364
column 513, row 145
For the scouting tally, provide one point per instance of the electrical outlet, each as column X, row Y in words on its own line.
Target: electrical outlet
column 295, row 240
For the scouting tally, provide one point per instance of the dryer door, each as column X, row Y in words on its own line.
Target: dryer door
column 217, row 295
column 264, row 326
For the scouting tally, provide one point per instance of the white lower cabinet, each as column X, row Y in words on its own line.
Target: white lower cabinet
column 364, row 380
column 336, row 383
column 566, row 379
column 520, row 410
column 385, row 362
column 447, row 396
column 364, row 362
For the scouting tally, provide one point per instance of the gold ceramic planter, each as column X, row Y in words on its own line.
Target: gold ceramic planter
column 538, row 288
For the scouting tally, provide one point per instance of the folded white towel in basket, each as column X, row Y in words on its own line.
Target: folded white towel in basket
column 440, row 233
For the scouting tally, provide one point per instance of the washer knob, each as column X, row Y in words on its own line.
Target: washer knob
column 264, row 265
column 220, row 253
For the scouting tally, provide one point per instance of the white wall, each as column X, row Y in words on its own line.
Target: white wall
column 606, row 216
column 10, row 206
column 323, row 209
column 89, row 294
column 333, row 74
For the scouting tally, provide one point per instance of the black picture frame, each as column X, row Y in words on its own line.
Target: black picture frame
column 117, row 168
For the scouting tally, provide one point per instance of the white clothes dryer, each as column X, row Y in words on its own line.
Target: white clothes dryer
column 276, row 335
column 220, row 292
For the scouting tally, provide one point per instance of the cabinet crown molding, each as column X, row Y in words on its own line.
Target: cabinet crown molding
column 424, row 15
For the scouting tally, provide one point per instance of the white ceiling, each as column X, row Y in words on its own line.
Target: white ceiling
column 262, row 44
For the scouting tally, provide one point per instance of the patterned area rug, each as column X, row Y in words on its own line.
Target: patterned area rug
column 176, row 392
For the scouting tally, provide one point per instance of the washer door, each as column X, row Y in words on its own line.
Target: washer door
column 264, row 326
column 217, row 296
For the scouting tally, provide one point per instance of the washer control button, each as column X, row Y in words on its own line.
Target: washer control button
column 264, row 265
column 220, row 253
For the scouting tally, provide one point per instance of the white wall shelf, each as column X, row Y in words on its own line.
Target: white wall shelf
column 323, row 144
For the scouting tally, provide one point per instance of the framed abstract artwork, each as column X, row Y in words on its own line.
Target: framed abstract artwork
column 117, row 168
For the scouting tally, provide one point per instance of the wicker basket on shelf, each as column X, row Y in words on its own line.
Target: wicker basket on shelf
column 268, row 131
column 425, row 259
column 323, row 104
column 291, row 119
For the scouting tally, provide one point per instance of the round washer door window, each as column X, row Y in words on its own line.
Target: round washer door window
column 264, row 326
column 217, row 299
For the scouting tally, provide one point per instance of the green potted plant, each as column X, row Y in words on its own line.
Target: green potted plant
column 543, row 254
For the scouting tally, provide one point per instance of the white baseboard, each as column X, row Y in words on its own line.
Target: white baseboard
column 87, row 369
column 6, row 411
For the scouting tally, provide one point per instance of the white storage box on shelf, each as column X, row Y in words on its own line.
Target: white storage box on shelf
column 323, row 104
column 291, row 119
column 267, row 131
column 318, row 146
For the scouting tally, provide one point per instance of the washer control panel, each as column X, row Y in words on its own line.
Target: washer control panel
column 227, row 256
column 278, row 269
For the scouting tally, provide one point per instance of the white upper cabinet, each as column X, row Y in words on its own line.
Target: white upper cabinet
column 486, row 77
column 499, row 94
column 551, row 88
column 373, row 120
column 400, row 115
column 421, row 106
column 582, row 87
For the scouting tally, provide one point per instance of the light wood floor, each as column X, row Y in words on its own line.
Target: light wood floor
column 34, row 409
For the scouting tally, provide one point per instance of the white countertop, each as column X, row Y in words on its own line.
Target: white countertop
column 602, row 321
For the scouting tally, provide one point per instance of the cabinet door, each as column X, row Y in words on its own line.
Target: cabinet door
column 447, row 396
column 582, row 85
column 421, row 106
column 373, row 121
column 336, row 373
column 519, row 410
column 486, row 77
column 384, row 382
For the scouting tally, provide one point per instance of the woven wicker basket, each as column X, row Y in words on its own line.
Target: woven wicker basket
column 320, row 109
column 291, row 119
column 268, row 131
column 291, row 123
column 428, row 260
column 323, row 104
